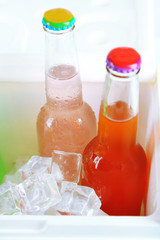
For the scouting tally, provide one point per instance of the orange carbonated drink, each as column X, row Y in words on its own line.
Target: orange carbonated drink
column 65, row 122
column 120, row 124
column 114, row 164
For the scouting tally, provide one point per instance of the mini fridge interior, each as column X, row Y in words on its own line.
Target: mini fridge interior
column 105, row 24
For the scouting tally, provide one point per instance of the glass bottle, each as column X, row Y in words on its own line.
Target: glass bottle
column 65, row 122
column 113, row 163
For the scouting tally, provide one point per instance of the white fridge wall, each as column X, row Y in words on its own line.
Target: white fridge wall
column 100, row 26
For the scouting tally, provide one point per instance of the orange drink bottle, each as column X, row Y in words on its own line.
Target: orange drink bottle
column 65, row 122
column 113, row 163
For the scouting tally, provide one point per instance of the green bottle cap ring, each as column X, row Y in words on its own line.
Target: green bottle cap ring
column 58, row 19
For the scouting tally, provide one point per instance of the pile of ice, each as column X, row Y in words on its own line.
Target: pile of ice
column 48, row 186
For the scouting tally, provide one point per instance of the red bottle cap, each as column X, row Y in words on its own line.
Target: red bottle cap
column 123, row 60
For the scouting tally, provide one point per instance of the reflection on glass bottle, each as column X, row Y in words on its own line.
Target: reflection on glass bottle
column 113, row 163
column 65, row 122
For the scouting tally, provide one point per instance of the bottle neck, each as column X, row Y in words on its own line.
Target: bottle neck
column 63, row 84
column 118, row 115
column 60, row 49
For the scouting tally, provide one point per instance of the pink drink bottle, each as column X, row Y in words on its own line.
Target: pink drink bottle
column 65, row 122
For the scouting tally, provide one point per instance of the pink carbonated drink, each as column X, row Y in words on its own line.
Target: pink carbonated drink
column 65, row 122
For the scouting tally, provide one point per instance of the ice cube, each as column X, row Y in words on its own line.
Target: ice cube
column 20, row 161
column 37, row 194
column 8, row 201
column 52, row 211
column 99, row 212
column 35, row 165
column 14, row 178
column 56, row 172
column 66, row 166
column 77, row 200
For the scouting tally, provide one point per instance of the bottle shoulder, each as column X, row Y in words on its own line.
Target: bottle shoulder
column 83, row 110
column 67, row 130
column 101, row 156
column 80, row 118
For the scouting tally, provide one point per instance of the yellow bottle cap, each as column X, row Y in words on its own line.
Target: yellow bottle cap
column 58, row 19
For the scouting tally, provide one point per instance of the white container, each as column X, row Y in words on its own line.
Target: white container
column 14, row 96
column 22, row 94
